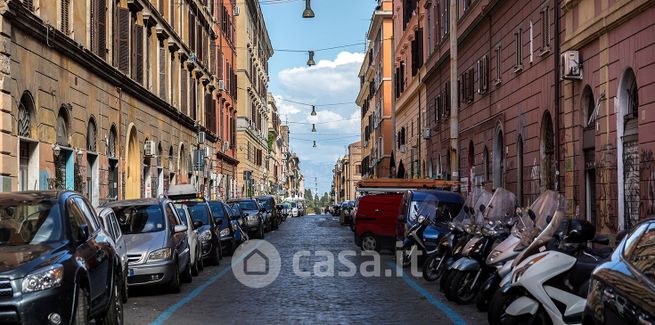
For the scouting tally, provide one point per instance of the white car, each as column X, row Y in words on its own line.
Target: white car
column 110, row 223
column 197, row 263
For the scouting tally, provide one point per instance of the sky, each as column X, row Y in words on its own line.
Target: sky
column 333, row 80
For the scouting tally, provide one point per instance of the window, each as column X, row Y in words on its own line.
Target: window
column 98, row 29
column 445, row 19
column 162, row 71
column 499, row 71
column 483, row 75
column 485, row 163
column 138, row 55
column 469, row 85
column 437, row 108
column 76, row 219
column 545, row 30
column 519, row 50
column 123, row 37
column 171, row 215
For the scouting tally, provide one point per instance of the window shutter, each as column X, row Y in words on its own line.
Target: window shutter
column 93, row 25
column 193, row 95
column 171, row 13
column 219, row 74
column 101, row 28
column 29, row 4
column 139, row 54
column 162, row 72
column 212, row 58
column 65, row 16
column 161, row 7
column 123, row 39
column 183, row 86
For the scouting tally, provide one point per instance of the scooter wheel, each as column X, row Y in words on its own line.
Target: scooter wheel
column 430, row 271
column 458, row 291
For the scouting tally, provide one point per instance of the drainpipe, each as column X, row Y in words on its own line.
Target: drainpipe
column 394, row 83
column 557, row 95
column 454, row 113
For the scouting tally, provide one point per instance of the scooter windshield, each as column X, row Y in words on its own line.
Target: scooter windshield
column 544, row 208
column 467, row 214
column 555, row 225
column 500, row 208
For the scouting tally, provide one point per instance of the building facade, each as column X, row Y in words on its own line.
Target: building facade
column 347, row 173
column 409, row 19
column 375, row 96
column 114, row 99
column 254, row 49
column 549, row 95
column 226, row 146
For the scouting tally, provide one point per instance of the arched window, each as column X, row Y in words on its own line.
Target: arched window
column 25, row 115
column 91, row 131
column 111, row 142
column 62, row 127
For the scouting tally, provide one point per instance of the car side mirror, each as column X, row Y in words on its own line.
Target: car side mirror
column 218, row 221
column 180, row 228
column 197, row 224
column 83, row 233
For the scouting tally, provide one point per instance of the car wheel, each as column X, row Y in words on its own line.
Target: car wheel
column 81, row 316
column 370, row 243
column 201, row 262
column 114, row 315
column 186, row 275
column 174, row 285
column 215, row 257
column 125, row 292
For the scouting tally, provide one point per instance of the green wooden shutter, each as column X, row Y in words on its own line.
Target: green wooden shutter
column 101, row 28
column 139, row 54
column 124, row 40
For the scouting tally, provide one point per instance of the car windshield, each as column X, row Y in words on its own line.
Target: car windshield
column 248, row 205
column 30, row 224
column 140, row 219
column 293, row 205
column 199, row 212
column 265, row 203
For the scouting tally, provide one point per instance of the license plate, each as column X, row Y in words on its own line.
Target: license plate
column 130, row 272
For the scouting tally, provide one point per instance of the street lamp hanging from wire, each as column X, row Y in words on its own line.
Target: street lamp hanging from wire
column 308, row 13
column 313, row 127
column 310, row 61
column 313, row 110
column 314, row 143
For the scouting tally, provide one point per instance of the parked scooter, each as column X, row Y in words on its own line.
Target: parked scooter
column 451, row 244
column 525, row 227
column 466, row 230
column 470, row 271
column 414, row 240
column 550, row 287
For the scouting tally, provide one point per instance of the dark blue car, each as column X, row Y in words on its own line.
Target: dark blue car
column 440, row 206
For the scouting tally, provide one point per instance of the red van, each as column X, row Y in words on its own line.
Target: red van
column 376, row 221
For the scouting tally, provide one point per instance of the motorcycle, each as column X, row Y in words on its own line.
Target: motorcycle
column 414, row 239
column 550, row 287
column 470, row 271
column 525, row 227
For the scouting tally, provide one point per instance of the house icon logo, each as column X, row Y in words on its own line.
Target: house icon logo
column 256, row 263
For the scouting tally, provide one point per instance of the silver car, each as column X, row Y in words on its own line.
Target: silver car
column 110, row 223
column 157, row 244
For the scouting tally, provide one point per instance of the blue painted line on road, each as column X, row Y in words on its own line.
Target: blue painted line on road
column 449, row 312
column 166, row 314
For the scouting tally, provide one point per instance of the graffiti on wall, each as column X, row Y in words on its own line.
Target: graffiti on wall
column 631, row 184
column 607, row 190
column 647, row 178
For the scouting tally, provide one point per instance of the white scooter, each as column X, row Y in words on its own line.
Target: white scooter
column 550, row 287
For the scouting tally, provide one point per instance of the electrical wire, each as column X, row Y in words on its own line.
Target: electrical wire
column 328, row 122
column 325, row 140
column 316, row 105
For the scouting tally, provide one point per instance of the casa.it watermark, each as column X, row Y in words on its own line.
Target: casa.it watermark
column 257, row 263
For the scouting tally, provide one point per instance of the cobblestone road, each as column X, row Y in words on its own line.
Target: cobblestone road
column 216, row 296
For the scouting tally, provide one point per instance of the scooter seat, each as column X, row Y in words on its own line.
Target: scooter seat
column 580, row 273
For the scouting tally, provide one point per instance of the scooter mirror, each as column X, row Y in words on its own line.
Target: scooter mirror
column 533, row 216
column 482, row 207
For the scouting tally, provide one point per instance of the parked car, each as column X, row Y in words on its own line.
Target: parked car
column 622, row 290
column 228, row 239
column 240, row 235
column 440, row 206
column 294, row 212
column 195, row 247
column 301, row 208
column 58, row 264
column 203, row 221
column 157, row 244
column 252, row 216
column 274, row 216
column 377, row 225
column 110, row 223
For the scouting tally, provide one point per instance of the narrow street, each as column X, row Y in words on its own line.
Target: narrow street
column 217, row 296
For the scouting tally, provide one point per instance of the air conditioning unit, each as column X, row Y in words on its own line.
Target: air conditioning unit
column 403, row 148
column 426, row 133
column 207, row 153
column 201, row 137
column 221, row 85
column 571, row 65
column 149, row 148
column 226, row 146
column 236, row 11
